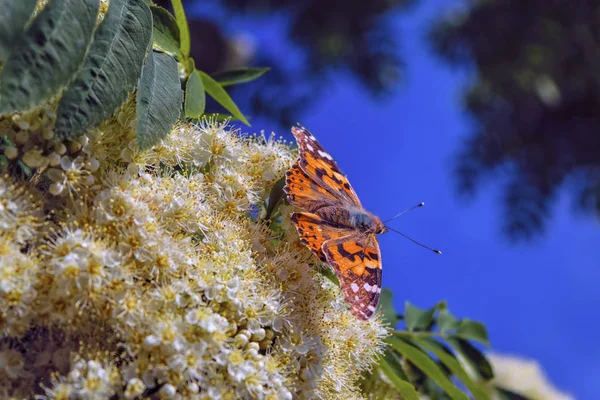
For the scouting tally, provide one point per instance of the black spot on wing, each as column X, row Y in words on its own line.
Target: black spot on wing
column 342, row 251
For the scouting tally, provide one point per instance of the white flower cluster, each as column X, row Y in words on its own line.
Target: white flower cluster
column 155, row 274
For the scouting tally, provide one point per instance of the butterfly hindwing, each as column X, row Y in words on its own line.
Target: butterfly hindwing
column 313, row 232
column 356, row 260
column 321, row 167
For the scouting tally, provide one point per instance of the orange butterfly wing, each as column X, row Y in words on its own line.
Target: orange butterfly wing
column 321, row 168
column 357, row 262
column 305, row 193
column 314, row 231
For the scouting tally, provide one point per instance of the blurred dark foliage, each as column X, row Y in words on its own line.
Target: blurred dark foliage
column 327, row 37
column 535, row 99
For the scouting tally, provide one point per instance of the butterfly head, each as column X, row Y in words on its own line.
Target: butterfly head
column 366, row 222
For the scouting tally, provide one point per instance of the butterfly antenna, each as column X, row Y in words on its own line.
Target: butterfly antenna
column 413, row 240
column 405, row 211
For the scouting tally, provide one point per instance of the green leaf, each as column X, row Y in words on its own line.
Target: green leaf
column 275, row 196
column 386, row 303
column 195, row 97
column 184, row 30
column 394, row 360
column 166, row 30
column 48, row 55
column 159, row 99
column 215, row 90
column 446, row 321
column 473, row 330
column 406, row 389
column 448, row 359
column 238, row 75
column 417, row 318
column 110, row 71
column 428, row 366
column 473, row 356
column 505, row 394
column 14, row 14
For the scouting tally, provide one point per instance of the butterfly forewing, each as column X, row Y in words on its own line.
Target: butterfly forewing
column 305, row 193
column 320, row 166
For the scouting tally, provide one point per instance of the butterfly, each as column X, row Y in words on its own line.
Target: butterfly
column 334, row 225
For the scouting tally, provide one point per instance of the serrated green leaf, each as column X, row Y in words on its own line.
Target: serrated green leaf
column 473, row 356
column 159, row 98
column 427, row 366
column 448, row 359
column 215, row 90
column 184, row 30
column 417, row 318
column 505, row 394
column 275, row 196
column 110, row 71
column 238, row 75
column 48, row 54
column 166, row 30
column 473, row 330
column 406, row 389
column 446, row 321
column 386, row 305
column 13, row 17
column 195, row 97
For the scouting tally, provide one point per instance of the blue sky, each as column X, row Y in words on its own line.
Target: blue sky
column 538, row 299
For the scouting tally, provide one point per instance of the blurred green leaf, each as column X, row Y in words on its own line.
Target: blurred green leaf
column 26, row 170
column 13, row 17
column 416, row 318
column 448, row 359
column 275, row 196
column 446, row 321
column 184, row 30
column 215, row 90
column 110, row 71
column 195, row 97
column 191, row 66
column 159, row 98
column 428, row 366
column 166, row 30
column 406, row 389
column 46, row 57
column 238, row 75
column 473, row 330
column 473, row 356
column 505, row 394
column 394, row 361
column 386, row 304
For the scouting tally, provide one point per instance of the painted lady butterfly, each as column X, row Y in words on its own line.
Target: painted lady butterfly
column 334, row 225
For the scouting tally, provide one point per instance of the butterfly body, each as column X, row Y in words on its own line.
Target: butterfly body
column 334, row 225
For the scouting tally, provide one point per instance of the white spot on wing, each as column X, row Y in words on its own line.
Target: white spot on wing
column 371, row 308
column 325, row 155
column 309, row 147
column 367, row 287
column 354, row 287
